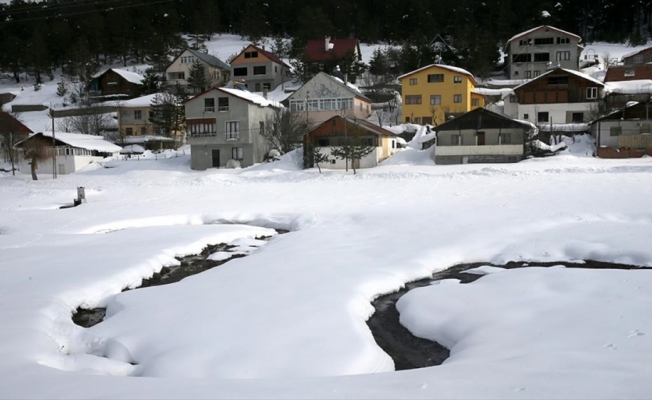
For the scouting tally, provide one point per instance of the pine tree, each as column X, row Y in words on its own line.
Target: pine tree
column 167, row 114
column 151, row 82
column 197, row 79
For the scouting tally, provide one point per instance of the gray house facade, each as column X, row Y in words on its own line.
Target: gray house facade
column 480, row 136
column 532, row 53
column 177, row 73
column 224, row 124
column 260, row 69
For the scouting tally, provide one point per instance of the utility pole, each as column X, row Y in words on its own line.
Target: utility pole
column 54, row 146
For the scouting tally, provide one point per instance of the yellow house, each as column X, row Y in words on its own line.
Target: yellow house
column 432, row 93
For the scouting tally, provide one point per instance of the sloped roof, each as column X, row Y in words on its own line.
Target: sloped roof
column 131, row 77
column 569, row 71
column 242, row 94
column 441, row 66
column 143, row 101
column 635, row 110
column 481, row 118
column 209, row 59
column 541, row 27
column 9, row 124
column 364, row 124
column 629, row 87
column 349, row 87
column 632, row 54
column 316, row 49
column 266, row 53
column 78, row 140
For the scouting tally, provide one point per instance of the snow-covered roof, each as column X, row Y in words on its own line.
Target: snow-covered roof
column 251, row 97
column 127, row 75
column 629, row 87
column 493, row 92
column 80, row 141
column 143, row 101
column 633, row 53
column 570, row 71
column 132, row 149
column 349, row 84
column 540, row 27
column 147, row 138
column 506, row 83
column 577, row 127
column 442, row 66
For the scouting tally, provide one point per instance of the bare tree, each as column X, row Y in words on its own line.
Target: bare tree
column 314, row 156
column 91, row 120
column 284, row 130
column 36, row 151
column 9, row 136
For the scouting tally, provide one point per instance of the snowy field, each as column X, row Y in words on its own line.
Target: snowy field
column 288, row 321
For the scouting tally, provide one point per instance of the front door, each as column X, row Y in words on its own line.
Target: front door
column 480, row 138
column 356, row 163
column 216, row 158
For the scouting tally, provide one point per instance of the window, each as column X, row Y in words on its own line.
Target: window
column 187, row 60
column 541, row 57
column 543, row 41
column 177, row 75
column 525, row 42
column 267, row 86
column 435, row 78
column 417, row 120
column 591, row 93
column 513, row 99
column 645, row 128
column 563, row 55
column 143, row 130
column 223, row 104
column 578, row 117
column 261, row 127
column 242, row 71
column 505, row 138
column 528, row 74
column 457, row 98
column 456, row 140
column 251, row 54
column 515, row 73
column 558, row 80
column 563, row 40
column 615, row 131
column 129, row 131
column 276, row 68
column 413, row 99
column 519, row 58
column 393, row 144
column 526, row 116
column 475, row 102
column 629, row 72
column 638, row 59
column 209, row 105
column 232, row 130
column 367, row 142
column 457, row 79
column 138, row 114
column 542, row 117
column 260, row 70
column 536, row 73
column 236, row 153
column 323, row 142
column 435, row 100
column 413, row 81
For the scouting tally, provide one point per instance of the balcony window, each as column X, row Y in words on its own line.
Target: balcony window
column 233, row 130
column 223, row 103
column 209, row 105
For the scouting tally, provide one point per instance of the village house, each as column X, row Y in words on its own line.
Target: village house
column 638, row 57
column 327, row 50
column 531, row 53
column 432, row 93
column 177, row 73
column 225, row 124
column 339, row 130
column 560, row 96
column 619, row 93
column 11, row 131
column 134, row 119
column 625, row 133
column 74, row 151
column 635, row 72
column 260, row 69
column 481, row 136
column 325, row 96
column 115, row 84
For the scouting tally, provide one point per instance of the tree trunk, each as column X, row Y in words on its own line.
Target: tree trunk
column 34, row 167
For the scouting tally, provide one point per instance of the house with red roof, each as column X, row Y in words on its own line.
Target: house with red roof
column 260, row 69
column 325, row 55
column 12, row 131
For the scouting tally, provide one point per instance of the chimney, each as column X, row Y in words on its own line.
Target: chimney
column 346, row 78
column 265, row 90
column 327, row 43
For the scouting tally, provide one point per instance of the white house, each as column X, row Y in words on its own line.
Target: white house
column 73, row 152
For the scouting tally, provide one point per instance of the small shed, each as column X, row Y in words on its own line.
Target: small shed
column 72, row 151
column 115, row 84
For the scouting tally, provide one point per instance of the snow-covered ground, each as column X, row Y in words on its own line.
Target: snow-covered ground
column 289, row 320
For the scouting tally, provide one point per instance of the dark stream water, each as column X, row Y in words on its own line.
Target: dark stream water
column 409, row 351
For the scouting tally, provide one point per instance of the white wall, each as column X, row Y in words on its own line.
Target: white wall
column 369, row 161
column 504, row 149
column 558, row 112
column 70, row 164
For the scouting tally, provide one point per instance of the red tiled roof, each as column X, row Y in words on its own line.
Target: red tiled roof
column 617, row 73
column 316, row 49
column 9, row 124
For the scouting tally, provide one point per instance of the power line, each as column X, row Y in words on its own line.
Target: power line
column 46, row 6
